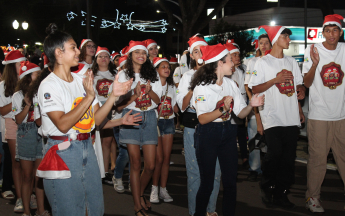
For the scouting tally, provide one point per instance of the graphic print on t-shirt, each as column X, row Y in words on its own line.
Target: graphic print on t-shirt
column 102, row 87
column 144, row 100
column 287, row 88
column 332, row 75
column 87, row 121
column 167, row 108
column 30, row 116
column 225, row 116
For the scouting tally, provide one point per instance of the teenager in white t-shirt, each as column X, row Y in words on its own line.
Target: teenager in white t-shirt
column 69, row 112
column 10, row 78
column 29, row 142
column 323, row 71
column 146, row 95
column 104, row 75
column 254, row 119
column 165, row 111
column 87, row 52
column 215, row 97
column 279, row 78
column 186, row 104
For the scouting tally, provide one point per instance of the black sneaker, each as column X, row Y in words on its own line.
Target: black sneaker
column 267, row 196
column 253, row 176
column 283, row 201
column 108, row 179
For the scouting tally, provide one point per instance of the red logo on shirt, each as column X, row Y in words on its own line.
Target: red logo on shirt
column 143, row 102
column 30, row 116
column 167, row 108
column 332, row 75
column 287, row 88
column 102, row 87
column 224, row 116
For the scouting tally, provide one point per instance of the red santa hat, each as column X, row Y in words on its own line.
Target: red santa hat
column 26, row 68
column 83, row 42
column 212, row 53
column 149, row 43
column 173, row 60
column 231, row 48
column 157, row 61
column 13, row 57
column 272, row 31
column 45, row 60
column 113, row 56
column 122, row 61
column 256, row 43
column 134, row 45
column 102, row 49
column 231, row 41
column 52, row 166
column 196, row 41
column 333, row 19
column 6, row 52
column 124, row 51
column 80, row 69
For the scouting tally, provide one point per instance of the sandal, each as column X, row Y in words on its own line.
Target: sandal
column 142, row 212
column 8, row 195
column 148, row 208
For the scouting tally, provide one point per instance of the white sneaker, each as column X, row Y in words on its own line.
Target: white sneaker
column 313, row 204
column 154, row 194
column 19, row 206
column 164, row 195
column 33, row 201
column 118, row 185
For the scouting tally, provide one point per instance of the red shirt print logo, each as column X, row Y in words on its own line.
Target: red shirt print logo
column 167, row 108
column 30, row 116
column 287, row 88
column 143, row 102
column 102, row 87
column 225, row 116
column 332, row 75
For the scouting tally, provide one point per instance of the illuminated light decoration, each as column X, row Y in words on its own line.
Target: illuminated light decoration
column 144, row 26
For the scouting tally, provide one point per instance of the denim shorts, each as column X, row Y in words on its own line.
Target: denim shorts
column 29, row 142
column 84, row 189
column 143, row 134
column 166, row 126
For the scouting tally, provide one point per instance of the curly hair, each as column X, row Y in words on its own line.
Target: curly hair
column 11, row 78
column 170, row 79
column 205, row 74
column 82, row 56
column 95, row 68
column 33, row 88
column 147, row 72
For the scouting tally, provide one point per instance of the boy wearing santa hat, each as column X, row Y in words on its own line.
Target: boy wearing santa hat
column 279, row 78
column 323, row 71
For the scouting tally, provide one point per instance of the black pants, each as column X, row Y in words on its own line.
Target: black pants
column 7, row 176
column 278, row 166
column 242, row 140
column 216, row 140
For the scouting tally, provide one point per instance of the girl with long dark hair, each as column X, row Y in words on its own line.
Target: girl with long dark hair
column 69, row 112
column 215, row 96
column 87, row 52
column 152, row 48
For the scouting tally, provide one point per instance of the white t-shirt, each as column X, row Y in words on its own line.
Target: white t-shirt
column 210, row 97
column 144, row 102
column 170, row 102
column 87, row 64
column 327, row 92
column 249, row 69
column 184, row 67
column 5, row 100
column 281, row 104
column 183, row 89
column 17, row 100
column 101, row 83
column 238, row 78
column 55, row 94
column 177, row 75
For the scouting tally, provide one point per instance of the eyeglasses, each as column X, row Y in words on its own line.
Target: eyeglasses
column 91, row 46
column 105, row 57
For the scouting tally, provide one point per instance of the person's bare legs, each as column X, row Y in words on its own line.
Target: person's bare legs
column 113, row 154
column 39, row 189
column 149, row 152
column 106, row 143
column 26, row 189
column 167, row 147
column 159, row 160
column 16, row 168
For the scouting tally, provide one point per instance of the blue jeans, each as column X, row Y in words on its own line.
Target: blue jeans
column 254, row 156
column 84, row 189
column 123, row 158
column 193, row 174
column 216, row 141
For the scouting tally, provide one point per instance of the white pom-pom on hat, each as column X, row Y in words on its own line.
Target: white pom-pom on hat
column 24, row 68
column 200, row 61
column 257, row 30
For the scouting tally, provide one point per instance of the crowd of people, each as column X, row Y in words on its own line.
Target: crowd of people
column 56, row 112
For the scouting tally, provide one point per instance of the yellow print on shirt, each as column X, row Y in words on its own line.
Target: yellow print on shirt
column 87, row 121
